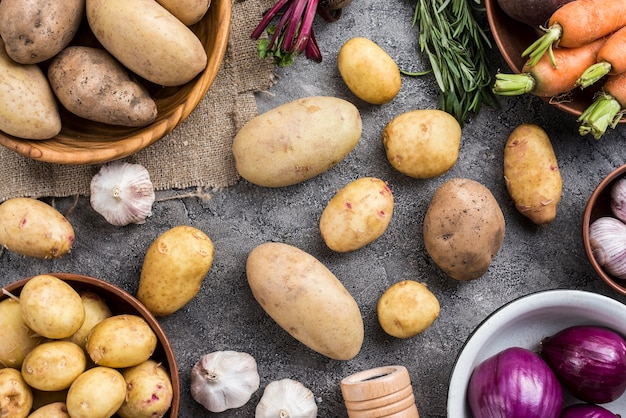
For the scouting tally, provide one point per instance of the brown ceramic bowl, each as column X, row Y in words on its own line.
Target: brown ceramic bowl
column 121, row 302
column 512, row 38
column 599, row 206
column 85, row 142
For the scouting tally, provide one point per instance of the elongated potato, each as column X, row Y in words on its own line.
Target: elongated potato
column 147, row 39
column 531, row 173
column 33, row 228
column 187, row 11
column 296, row 141
column 305, row 299
column 17, row 339
column 96, row 310
column 16, row 397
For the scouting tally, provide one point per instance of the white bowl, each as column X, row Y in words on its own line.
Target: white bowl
column 524, row 322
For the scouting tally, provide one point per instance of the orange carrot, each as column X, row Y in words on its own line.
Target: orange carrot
column 577, row 23
column 611, row 59
column 607, row 109
column 543, row 79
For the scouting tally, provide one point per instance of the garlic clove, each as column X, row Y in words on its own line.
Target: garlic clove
column 286, row 398
column 607, row 237
column 122, row 193
column 224, row 380
column 618, row 199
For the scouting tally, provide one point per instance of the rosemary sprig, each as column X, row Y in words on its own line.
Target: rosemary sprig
column 457, row 49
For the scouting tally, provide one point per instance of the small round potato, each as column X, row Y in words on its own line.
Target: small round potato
column 368, row 71
column 53, row 365
column 123, row 340
column 51, row 307
column 97, row 393
column 149, row 391
column 52, row 410
column 407, row 308
column 357, row 215
column 16, row 397
column 422, row 143
column 17, row 339
column 96, row 310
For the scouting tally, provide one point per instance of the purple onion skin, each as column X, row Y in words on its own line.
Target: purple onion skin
column 515, row 383
column 585, row 410
column 589, row 361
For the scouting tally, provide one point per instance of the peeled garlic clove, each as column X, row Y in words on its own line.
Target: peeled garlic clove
column 122, row 193
column 224, row 380
column 618, row 199
column 286, row 398
column 607, row 237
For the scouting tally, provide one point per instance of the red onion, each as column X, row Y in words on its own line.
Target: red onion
column 586, row 410
column 589, row 361
column 515, row 383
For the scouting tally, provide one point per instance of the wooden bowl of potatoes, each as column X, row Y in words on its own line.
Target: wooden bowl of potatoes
column 163, row 64
column 81, row 345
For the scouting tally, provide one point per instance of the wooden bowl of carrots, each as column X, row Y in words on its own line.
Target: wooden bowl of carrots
column 563, row 81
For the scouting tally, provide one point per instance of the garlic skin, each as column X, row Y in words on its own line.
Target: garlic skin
column 224, row 380
column 618, row 199
column 607, row 237
column 122, row 193
column 286, row 398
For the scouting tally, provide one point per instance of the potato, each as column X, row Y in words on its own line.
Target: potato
column 17, row 339
column 53, row 410
column 187, row 11
column 122, row 340
column 33, row 228
column 148, row 391
column 531, row 173
column 422, row 143
column 368, row 71
column 51, row 307
column 97, row 393
column 16, row 397
column 296, row 141
column 147, row 39
column 357, row 215
column 96, row 310
column 406, row 309
column 92, row 84
column 463, row 228
column 37, row 30
column 174, row 268
column 53, row 365
column 305, row 299
column 28, row 108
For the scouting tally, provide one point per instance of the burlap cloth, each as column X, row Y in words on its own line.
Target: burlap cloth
column 195, row 154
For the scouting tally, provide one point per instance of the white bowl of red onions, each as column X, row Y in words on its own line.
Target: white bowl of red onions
column 552, row 354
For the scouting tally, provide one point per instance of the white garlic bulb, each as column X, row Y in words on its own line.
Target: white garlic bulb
column 122, row 193
column 618, row 199
column 224, row 380
column 286, row 398
column 607, row 237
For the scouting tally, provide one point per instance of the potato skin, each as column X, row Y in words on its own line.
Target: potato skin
column 422, row 143
column 28, row 108
column 16, row 397
column 17, row 339
column 33, row 228
column 531, row 173
column 147, row 39
column 296, row 141
column 96, row 310
column 187, row 11
column 463, row 228
column 92, row 84
column 174, row 268
column 52, row 410
column 149, row 391
column 368, row 71
column 53, row 365
column 305, row 299
column 97, row 393
column 37, row 30
column 357, row 215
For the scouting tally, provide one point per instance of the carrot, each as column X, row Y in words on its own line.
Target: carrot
column 577, row 23
column 607, row 109
column 545, row 80
column 611, row 59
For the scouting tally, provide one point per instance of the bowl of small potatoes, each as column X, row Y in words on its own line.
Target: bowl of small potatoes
column 132, row 72
column 82, row 345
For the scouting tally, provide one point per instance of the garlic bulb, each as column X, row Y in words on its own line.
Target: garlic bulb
column 224, row 380
column 122, row 193
column 286, row 398
column 618, row 199
column 607, row 237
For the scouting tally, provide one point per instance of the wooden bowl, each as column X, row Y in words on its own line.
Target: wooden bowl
column 85, row 142
column 121, row 302
column 598, row 206
column 513, row 37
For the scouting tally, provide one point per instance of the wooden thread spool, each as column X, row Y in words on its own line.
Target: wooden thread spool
column 381, row 392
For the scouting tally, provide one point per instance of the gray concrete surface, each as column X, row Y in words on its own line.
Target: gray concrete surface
column 224, row 316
